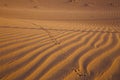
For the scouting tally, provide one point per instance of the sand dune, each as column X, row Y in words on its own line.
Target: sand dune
column 59, row 39
column 82, row 54
column 60, row 9
column 59, row 3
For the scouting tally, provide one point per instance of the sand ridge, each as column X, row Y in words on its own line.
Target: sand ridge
column 59, row 40
column 79, row 55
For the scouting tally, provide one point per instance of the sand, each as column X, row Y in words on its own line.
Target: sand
column 59, row 40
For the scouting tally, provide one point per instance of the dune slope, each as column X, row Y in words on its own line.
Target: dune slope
column 86, row 53
column 59, row 39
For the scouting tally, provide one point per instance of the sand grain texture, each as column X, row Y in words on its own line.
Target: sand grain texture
column 59, row 40
column 79, row 55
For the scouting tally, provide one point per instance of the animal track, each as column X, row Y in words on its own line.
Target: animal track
column 82, row 76
column 49, row 34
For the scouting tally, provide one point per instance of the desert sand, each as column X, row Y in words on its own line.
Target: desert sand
column 59, row 40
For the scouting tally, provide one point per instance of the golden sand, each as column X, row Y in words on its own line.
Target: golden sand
column 56, row 41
